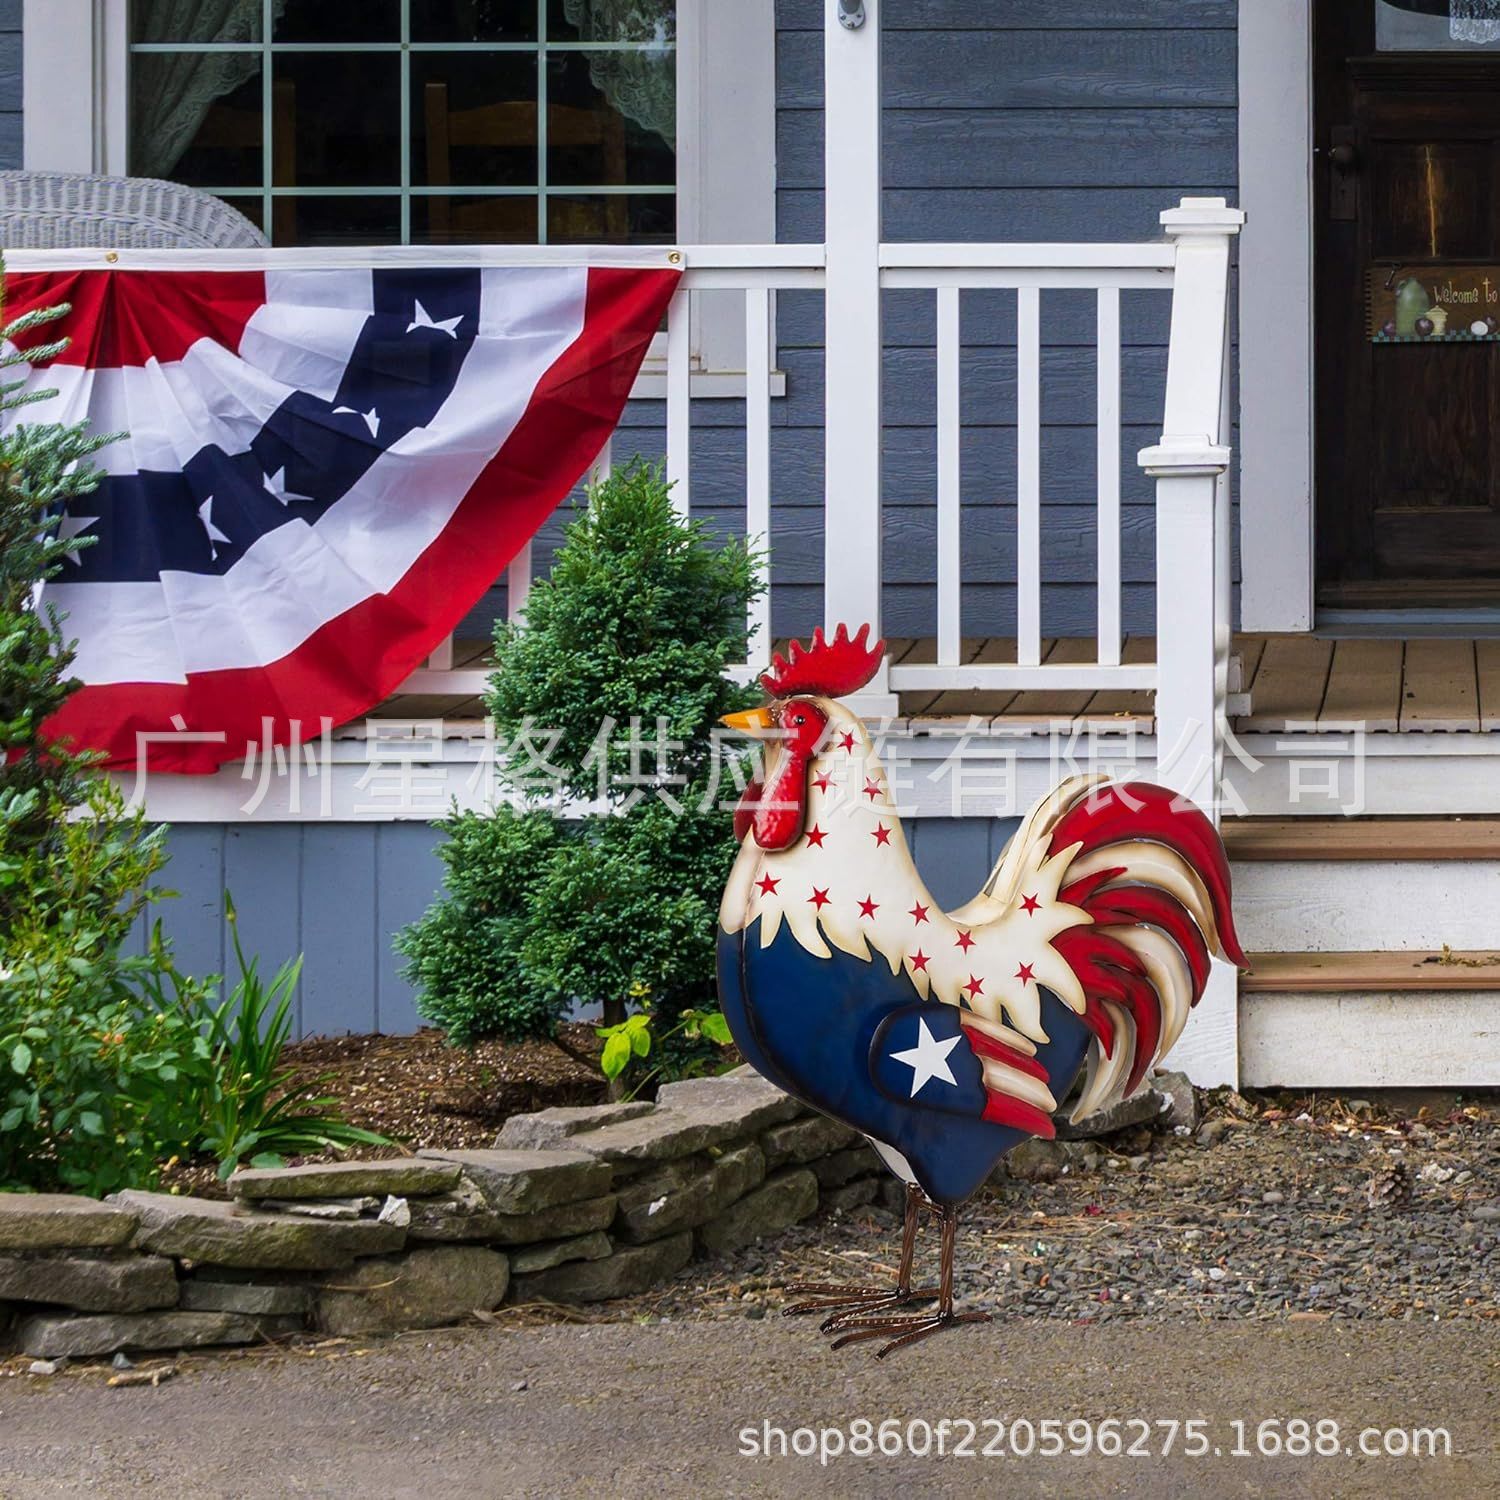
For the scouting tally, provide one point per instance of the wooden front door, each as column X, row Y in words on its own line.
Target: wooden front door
column 1407, row 186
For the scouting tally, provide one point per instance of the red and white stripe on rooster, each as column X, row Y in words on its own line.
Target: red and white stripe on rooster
column 949, row 1037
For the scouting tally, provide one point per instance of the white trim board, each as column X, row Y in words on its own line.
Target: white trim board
column 1276, row 316
column 1002, row 775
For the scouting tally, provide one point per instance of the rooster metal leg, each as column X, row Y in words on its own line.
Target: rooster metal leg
column 917, row 1326
column 844, row 1300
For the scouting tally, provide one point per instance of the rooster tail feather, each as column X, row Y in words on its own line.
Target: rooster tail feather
column 1149, row 870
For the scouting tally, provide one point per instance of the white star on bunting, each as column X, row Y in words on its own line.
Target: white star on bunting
column 67, row 528
column 370, row 418
column 215, row 536
column 276, row 484
column 424, row 319
column 928, row 1059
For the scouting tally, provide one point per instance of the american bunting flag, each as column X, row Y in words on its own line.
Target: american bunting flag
column 325, row 470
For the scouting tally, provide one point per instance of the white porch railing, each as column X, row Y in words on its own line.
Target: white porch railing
column 1190, row 463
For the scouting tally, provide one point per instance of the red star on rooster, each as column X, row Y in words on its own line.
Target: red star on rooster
column 1029, row 904
column 819, row 898
column 918, row 913
column 868, row 907
column 815, row 836
column 918, row 961
column 847, row 741
column 821, row 782
column 881, row 835
column 767, row 885
column 1024, row 973
column 872, row 789
column 973, row 987
column 964, row 941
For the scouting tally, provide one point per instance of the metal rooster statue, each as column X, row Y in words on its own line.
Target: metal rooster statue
column 948, row 1037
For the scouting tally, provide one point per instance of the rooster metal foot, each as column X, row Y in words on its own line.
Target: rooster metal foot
column 857, row 1326
column 907, row 1330
column 849, row 1301
column 845, row 1300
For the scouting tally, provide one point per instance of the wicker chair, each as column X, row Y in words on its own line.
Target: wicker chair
column 64, row 210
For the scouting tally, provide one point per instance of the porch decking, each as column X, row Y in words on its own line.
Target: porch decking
column 1290, row 684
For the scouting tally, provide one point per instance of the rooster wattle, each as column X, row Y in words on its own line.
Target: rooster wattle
column 949, row 1037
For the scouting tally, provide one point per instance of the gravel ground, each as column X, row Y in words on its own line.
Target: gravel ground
column 1274, row 1208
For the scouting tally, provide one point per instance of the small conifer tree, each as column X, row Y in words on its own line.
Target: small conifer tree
column 607, row 696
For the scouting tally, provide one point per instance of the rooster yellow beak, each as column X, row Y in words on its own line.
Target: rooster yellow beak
column 756, row 721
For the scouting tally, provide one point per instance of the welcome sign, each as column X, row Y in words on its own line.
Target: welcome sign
column 1433, row 304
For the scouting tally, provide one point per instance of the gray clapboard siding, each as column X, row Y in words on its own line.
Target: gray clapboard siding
column 334, row 892
column 1018, row 148
column 10, row 84
column 953, row 70
column 339, row 892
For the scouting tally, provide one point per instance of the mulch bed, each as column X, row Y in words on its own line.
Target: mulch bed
column 420, row 1091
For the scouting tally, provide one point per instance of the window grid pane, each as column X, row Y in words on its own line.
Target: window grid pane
column 579, row 209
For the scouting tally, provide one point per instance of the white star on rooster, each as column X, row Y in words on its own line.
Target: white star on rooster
column 67, row 528
column 928, row 1059
column 215, row 536
column 276, row 484
column 370, row 418
column 424, row 319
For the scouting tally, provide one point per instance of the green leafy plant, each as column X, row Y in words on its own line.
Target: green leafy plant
column 253, row 1105
column 91, row 1064
column 633, row 1039
column 642, row 615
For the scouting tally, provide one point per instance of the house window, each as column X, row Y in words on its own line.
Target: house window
column 425, row 122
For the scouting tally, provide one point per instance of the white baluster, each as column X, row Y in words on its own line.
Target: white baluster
column 949, row 477
column 679, row 399
column 518, row 582
column 1029, row 477
column 758, row 457
column 1108, row 473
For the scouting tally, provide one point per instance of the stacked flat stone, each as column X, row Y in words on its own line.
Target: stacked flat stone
column 576, row 1204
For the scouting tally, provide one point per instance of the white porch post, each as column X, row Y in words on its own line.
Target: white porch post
column 851, row 515
column 1190, row 466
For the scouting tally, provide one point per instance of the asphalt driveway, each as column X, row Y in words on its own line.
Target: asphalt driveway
column 673, row 1409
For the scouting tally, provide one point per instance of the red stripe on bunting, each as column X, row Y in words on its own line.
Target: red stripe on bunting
column 123, row 318
column 360, row 657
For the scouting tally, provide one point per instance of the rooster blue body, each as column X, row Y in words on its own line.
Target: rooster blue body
column 866, row 1012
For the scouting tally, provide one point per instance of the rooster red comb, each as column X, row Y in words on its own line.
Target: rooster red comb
column 829, row 669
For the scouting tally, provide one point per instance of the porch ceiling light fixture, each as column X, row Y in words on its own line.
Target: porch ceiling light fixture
column 852, row 14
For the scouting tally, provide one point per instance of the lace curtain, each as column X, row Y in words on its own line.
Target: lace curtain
column 1474, row 20
column 174, row 91
column 641, row 85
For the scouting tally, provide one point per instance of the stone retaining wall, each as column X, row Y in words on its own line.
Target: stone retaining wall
column 575, row 1205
